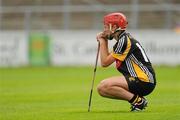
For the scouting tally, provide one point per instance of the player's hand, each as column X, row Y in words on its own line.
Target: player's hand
column 101, row 37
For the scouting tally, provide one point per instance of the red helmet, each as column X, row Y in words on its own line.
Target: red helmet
column 118, row 19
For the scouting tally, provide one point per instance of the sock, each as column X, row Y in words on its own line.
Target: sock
column 135, row 99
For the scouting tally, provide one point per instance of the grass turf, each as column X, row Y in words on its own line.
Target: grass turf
column 62, row 93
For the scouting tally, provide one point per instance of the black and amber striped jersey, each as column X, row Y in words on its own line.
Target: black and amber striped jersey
column 134, row 61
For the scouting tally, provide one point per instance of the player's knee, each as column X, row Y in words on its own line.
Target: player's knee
column 102, row 88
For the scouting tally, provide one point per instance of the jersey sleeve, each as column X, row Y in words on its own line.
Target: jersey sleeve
column 121, row 48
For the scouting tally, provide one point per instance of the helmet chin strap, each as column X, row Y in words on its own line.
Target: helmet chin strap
column 118, row 29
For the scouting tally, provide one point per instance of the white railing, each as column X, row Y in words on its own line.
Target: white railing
column 67, row 9
column 89, row 8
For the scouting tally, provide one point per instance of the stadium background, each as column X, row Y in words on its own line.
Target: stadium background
column 48, row 50
column 65, row 30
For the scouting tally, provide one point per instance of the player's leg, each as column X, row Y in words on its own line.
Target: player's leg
column 118, row 88
column 115, row 88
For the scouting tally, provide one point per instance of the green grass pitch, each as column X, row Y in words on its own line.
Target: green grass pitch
column 49, row 93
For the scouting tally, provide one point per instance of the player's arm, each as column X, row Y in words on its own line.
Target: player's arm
column 106, row 58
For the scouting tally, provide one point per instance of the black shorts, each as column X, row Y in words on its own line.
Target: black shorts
column 139, row 87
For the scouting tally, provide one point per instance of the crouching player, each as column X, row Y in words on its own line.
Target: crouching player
column 138, row 79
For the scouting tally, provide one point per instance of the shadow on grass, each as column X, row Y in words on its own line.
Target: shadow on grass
column 109, row 112
column 99, row 111
column 106, row 111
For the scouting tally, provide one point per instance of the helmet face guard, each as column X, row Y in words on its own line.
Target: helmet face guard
column 117, row 19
